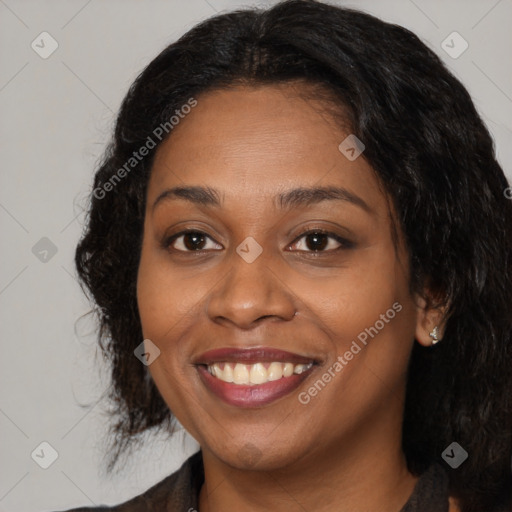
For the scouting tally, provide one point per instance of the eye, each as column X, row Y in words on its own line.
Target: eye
column 319, row 240
column 315, row 241
column 190, row 241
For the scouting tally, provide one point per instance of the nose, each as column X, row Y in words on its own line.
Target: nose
column 249, row 293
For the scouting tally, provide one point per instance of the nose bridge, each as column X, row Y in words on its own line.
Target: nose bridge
column 251, row 289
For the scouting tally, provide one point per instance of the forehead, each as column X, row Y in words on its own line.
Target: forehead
column 252, row 142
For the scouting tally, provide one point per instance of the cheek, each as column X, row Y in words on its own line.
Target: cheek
column 369, row 319
column 164, row 298
column 170, row 302
column 354, row 298
column 164, row 307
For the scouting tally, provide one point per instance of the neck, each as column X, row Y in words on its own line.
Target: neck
column 365, row 473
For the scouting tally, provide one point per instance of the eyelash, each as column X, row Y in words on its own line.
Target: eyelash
column 344, row 243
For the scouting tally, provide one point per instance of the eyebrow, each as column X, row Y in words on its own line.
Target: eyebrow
column 294, row 198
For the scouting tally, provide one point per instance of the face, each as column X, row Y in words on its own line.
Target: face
column 276, row 272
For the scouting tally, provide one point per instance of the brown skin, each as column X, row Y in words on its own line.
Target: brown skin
column 341, row 451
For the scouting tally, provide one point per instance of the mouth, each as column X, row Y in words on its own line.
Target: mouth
column 253, row 377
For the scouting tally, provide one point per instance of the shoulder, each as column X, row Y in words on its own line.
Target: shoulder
column 430, row 492
column 179, row 490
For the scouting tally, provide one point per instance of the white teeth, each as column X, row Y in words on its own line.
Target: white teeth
column 299, row 368
column 258, row 374
column 275, row 371
column 227, row 375
column 240, row 374
column 254, row 374
column 288, row 369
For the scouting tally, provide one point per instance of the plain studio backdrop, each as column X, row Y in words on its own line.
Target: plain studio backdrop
column 58, row 100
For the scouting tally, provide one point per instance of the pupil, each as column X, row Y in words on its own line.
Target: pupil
column 319, row 241
column 196, row 238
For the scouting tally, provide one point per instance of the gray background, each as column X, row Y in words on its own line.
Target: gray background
column 56, row 116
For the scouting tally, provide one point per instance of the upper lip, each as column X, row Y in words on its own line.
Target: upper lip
column 251, row 356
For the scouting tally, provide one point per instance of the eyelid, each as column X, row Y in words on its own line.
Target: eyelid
column 344, row 242
column 308, row 230
column 168, row 240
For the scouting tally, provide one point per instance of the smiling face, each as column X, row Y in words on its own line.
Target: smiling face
column 267, row 266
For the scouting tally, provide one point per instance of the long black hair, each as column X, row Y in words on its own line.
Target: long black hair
column 436, row 159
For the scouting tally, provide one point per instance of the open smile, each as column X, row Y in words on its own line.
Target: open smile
column 252, row 377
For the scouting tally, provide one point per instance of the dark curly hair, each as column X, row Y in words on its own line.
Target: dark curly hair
column 428, row 147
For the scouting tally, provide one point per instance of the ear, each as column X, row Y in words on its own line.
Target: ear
column 427, row 319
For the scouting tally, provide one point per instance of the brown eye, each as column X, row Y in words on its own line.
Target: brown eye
column 190, row 241
column 316, row 241
column 321, row 241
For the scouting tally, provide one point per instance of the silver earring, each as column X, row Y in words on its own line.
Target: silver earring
column 434, row 335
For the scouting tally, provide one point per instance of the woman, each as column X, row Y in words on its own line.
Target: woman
column 299, row 242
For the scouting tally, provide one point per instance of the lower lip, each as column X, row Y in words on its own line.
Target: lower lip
column 257, row 395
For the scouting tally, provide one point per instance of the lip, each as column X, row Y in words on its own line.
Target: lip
column 251, row 356
column 256, row 395
column 253, row 396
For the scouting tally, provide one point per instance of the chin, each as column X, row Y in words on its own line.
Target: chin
column 257, row 456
